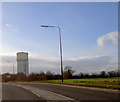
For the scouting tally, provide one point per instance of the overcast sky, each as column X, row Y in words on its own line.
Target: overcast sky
column 89, row 35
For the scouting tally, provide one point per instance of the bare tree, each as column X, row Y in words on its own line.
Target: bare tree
column 68, row 72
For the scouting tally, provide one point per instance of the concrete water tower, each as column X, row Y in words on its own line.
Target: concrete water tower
column 22, row 63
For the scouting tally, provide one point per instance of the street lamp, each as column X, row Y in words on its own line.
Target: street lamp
column 13, row 65
column 60, row 47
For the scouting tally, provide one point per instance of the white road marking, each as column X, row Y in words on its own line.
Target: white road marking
column 36, row 94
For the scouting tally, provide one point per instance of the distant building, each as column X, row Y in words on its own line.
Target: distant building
column 22, row 63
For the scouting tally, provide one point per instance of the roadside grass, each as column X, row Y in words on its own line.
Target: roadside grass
column 111, row 82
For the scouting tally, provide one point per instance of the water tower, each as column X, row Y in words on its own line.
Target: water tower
column 22, row 63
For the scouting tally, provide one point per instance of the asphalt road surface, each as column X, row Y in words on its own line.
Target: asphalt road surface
column 77, row 93
column 10, row 92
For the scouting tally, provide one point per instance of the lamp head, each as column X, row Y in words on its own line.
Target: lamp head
column 44, row 26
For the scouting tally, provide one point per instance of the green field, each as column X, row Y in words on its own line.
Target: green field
column 112, row 83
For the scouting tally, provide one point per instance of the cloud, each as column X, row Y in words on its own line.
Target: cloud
column 9, row 25
column 12, row 27
column 109, row 37
column 86, row 64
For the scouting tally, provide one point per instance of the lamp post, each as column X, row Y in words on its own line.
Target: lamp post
column 60, row 47
column 13, row 65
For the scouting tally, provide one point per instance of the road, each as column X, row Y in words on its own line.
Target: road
column 78, row 93
column 10, row 92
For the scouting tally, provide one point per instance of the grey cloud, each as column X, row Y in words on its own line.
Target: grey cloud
column 82, row 64
column 95, row 64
